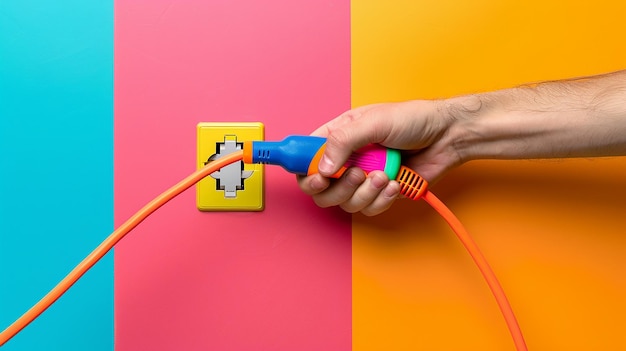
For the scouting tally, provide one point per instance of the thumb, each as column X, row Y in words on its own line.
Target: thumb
column 348, row 133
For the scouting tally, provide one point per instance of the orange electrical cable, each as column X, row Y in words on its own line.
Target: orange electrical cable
column 113, row 239
column 483, row 266
column 413, row 186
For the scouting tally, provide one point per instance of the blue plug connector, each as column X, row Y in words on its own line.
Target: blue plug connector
column 301, row 155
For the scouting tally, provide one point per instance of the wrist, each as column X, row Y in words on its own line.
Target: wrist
column 464, row 133
column 578, row 118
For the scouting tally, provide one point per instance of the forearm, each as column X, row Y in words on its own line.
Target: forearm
column 575, row 118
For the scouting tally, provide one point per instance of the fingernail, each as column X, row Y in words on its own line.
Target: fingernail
column 355, row 177
column 317, row 184
column 392, row 190
column 378, row 181
column 326, row 165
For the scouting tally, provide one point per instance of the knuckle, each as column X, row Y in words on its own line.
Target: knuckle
column 305, row 186
column 322, row 202
column 369, row 213
column 350, row 116
column 339, row 194
column 377, row 207
column 339, row 133
column 338, row 138
column 374, row 210
column 360, row 199
column 349, row 208
column 364, row 197
column 312, row 185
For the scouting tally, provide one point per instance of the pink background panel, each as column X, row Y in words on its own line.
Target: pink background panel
column 186, row 280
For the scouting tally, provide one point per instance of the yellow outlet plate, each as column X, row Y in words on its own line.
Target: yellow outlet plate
column 236, row 188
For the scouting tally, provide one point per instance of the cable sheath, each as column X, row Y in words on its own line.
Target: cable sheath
column 483, row 266
column 195, row 177
column 113, row 239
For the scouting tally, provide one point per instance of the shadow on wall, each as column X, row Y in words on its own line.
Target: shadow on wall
column 557, row 194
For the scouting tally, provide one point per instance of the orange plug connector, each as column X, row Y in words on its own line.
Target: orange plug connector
column 412, row 185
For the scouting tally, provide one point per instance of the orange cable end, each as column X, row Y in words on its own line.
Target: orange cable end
column 247, row 152
column 412, row 185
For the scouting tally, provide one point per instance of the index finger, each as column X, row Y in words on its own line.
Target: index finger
column 313, row 184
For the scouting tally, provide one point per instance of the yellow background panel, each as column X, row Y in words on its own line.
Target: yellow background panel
column 554, row 231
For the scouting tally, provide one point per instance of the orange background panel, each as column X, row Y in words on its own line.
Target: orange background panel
column 553, row 230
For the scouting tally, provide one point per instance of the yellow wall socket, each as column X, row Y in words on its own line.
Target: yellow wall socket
column 239, row 186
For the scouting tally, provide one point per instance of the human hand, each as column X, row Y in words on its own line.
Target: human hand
column 419, row 128
column 583, row 117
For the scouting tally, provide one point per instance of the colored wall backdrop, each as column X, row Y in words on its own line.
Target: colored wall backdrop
column 185, row 280
column 552, row 230
column 294, row 277
column 56, row 174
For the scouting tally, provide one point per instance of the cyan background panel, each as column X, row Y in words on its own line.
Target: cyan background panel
column 56, row 174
